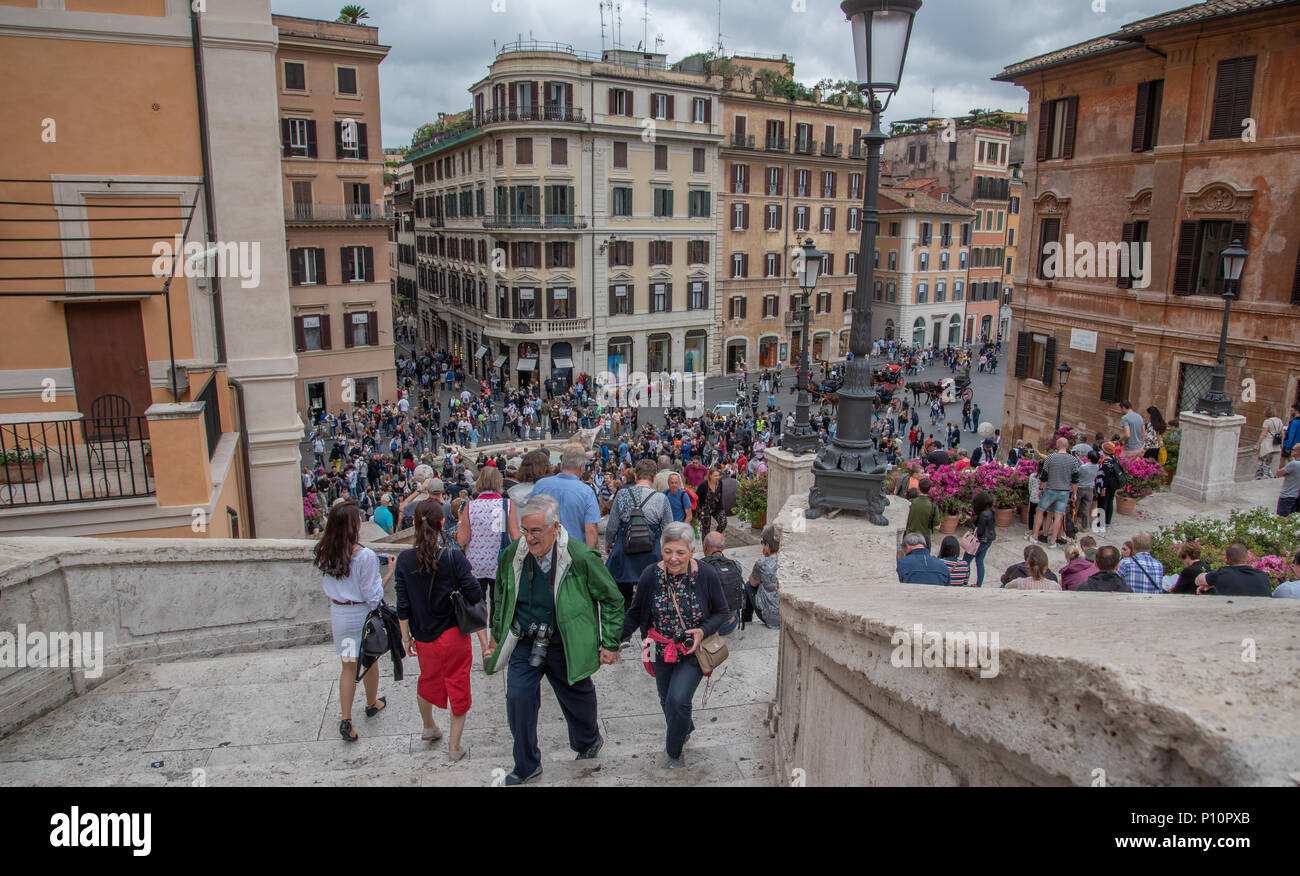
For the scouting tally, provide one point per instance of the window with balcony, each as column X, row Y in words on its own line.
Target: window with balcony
column 526, row 304
column 559, row 302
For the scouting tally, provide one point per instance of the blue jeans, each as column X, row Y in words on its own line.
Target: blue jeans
column 729, row 626
column 677, row 683
column 979, row 562
column 524, row 699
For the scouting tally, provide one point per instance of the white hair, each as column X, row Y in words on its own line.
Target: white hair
column 678, row 531
column 540, row 503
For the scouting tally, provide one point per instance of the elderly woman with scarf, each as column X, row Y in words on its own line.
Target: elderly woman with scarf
column 678, row 602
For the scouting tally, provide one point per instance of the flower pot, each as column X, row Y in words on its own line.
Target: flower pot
column 949, row 524
column 759, row 521
column 28, row 472
column 1004, row 516
column 1125, row 505
column 1022, row 511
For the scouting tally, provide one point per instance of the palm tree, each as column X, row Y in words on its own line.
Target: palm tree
column 352, row 14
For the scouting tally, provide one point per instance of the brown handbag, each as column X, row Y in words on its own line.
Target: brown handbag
column 712, row 650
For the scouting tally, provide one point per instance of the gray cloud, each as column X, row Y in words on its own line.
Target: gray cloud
column 439, row 47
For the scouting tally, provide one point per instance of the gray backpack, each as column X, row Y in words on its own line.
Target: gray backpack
column 639, row 536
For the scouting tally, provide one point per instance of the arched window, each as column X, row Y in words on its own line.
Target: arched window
column 954, row 329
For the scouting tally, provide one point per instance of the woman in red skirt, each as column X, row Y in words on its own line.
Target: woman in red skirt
column 424, row 580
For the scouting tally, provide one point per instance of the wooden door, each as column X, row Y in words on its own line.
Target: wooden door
column 106, row 340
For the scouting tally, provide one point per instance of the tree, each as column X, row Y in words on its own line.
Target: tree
column 352, row 14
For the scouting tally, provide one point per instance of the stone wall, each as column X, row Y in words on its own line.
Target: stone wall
column 1151, row 690
column 153, row 599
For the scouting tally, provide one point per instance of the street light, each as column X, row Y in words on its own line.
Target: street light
column 1062, row 376
column 1215, row 402
column 847, row 473
column 802, row 437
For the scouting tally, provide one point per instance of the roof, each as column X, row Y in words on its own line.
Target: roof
column 924, row 203
column 1130, row 34
column 917, row 183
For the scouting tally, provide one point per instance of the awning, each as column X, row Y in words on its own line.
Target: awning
column 500, row 360
column 561, row 362
column 482, row 351
column 527, row 364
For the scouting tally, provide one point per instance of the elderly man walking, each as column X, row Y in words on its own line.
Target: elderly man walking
column 557, row 613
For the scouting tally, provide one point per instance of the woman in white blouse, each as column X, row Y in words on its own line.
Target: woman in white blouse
column 354, row 585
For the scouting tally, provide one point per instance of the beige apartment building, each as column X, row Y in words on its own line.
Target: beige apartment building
column 794, row 169
column 568, row 224
column 336, row 223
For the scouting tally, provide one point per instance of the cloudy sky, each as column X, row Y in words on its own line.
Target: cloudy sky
column 439, row 47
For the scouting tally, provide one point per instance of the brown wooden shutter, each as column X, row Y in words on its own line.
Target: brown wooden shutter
column 612, row 106
column 1242, row 91
column 345, row 254
column 568, row 96
column 1110, row 376
column 295, row 267
column 347, row 329
column 668, row 297
column 1044, row 129
column 1240, row 231
column 779, row 214
column 1225, row 81
column 372, row 328
column 319, row 255
column 286, row 136
column 671, row 106
column 744, row 216
column 370, row 263
column 513, row 94
column 1049, row 362
column 299, row 335
column 338, row 139
column 532, row 94
column 1140, row 117
column 668, row 252
column 1071, row 122
column 708, row 112
column 1185, row 263
column 744, row 264
column 363, row 141
column 1128, row 234
column 311, row 138
column 326, row 341
column 1023, row 340
column 612, row 250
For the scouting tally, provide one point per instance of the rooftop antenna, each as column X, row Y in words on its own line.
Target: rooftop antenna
column 659, row 41
column 932, row 101
column 604, row 4
column 719, row 28
column 618, row 11
column 645, row 24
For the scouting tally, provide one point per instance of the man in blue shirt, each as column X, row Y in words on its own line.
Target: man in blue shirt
column 383, row 515
column 918, row 565
column 579, row 510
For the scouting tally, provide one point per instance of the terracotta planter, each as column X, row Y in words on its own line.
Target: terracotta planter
column 949, row 525
column 23, row 472
column 760, row 522
column 1022, row 511
column 1004, row 516
column 1125, row 505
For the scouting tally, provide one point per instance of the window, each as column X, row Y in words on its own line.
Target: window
column 940, row 291
column 620, row 102
column 1117, row 376
column 1056, row 124
column 771, row 306
column 663, row 202
column 854, row 213
column 1132, row 232
column 347, row 80
column 772, row 264
column 963, row 259
column 620, row 301
column 855, row 185
column 875, row 261
column 559, row 255
column 803, row 137
column 661, row 297
column 559, row 303
column 620, row 154
column 362, row 329
column 739, row 216
column 1198, row 269
column 299, row 137
column 980, row 152
column 697, row 160
column 620, row 254
column 661, row 107
column 1015, row 206
column 801, row 184
column 979, row 215
column 1010, row 259
column 559, row 152
column 500, row 146
column 661, row 252
column 824, row 301
column 943, row 261
column 740, row 178
column 952, row 151
column 622, row 201
column 661, row 157
column 1035, row 357
column 800, row 218
column 911, row 154
column 926, row 233
column 524, row 254
column 893, row 261
column 295, row 76
column 698, row 205
column 965, row 234
column 1001, row 218
column 1011, row 237
column 1232, row 93
column 702, row 110
column 846, row 302
column 358, row 264
column 697, row 295
column 307, row 266
column 893, row 229
column 1051, row 233
column 945, row 234
column 851, row 263
column 922, row 292
column 828, row 264
column 526, row 304
column 697, row 252
column 772, row 213
column 828, row 219
column 736, row 307
column 958, row 290
column 739, row 265
column 774, row 180
column 523, row 150
column 891, row 292
column 828, row 184
column 923, row 261
column 1146, row 115
column 878, row 294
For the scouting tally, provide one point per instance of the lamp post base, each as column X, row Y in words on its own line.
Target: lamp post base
column 848, row 478
column 1216, row 404
column 800, row 440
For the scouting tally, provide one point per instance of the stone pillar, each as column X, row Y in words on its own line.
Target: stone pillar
column 787, row 474
column 179, row 447
column 1207, row 456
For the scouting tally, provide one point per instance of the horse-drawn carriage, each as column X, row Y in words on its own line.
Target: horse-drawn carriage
column 961, row 390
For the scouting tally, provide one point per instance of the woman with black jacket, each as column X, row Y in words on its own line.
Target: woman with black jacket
column 986, row 529
column 678, row 602
column 425, row 579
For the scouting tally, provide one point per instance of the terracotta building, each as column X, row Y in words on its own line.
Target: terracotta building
column 141, row 395
column 1179, row 131
column 336, row 222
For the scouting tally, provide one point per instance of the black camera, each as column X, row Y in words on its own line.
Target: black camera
column 384, row 559
column 541, row 635
column 684, row 639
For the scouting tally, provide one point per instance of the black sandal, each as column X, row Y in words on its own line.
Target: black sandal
column 371, row 711
column 346, row 731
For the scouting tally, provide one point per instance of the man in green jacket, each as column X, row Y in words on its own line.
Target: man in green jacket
column 557, row 613
column 924, row 515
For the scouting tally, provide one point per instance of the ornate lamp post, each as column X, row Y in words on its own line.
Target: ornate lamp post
column 1062, row 376
column 802, row 438
column 847, row 473
column 1215, row 402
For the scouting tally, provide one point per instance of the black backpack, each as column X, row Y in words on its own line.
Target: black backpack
column 1114, row 474
column 733, row 581
column 639, row 536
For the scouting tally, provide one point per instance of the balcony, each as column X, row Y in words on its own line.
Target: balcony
column 315, row 214
column 564, row 222
column 544, row 113
column 742, row 141
column 832, row 150
column 805, row 147
column 857, row 152
column 777, row 144
column 504, row 327
column 53, row 459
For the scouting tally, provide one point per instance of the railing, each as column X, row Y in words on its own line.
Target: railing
column 545, row 113
column 497, row 220
column 742, row 141
column 776, row 144
column 336, row 212
column 58, row 461
column 505, row 326
column 857, row 151
column 832, row 150
column 805, row 147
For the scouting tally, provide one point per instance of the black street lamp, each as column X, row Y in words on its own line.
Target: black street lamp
column 847, row 473
column 1062, row 376
column 1215, row 402
column 802, row 437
